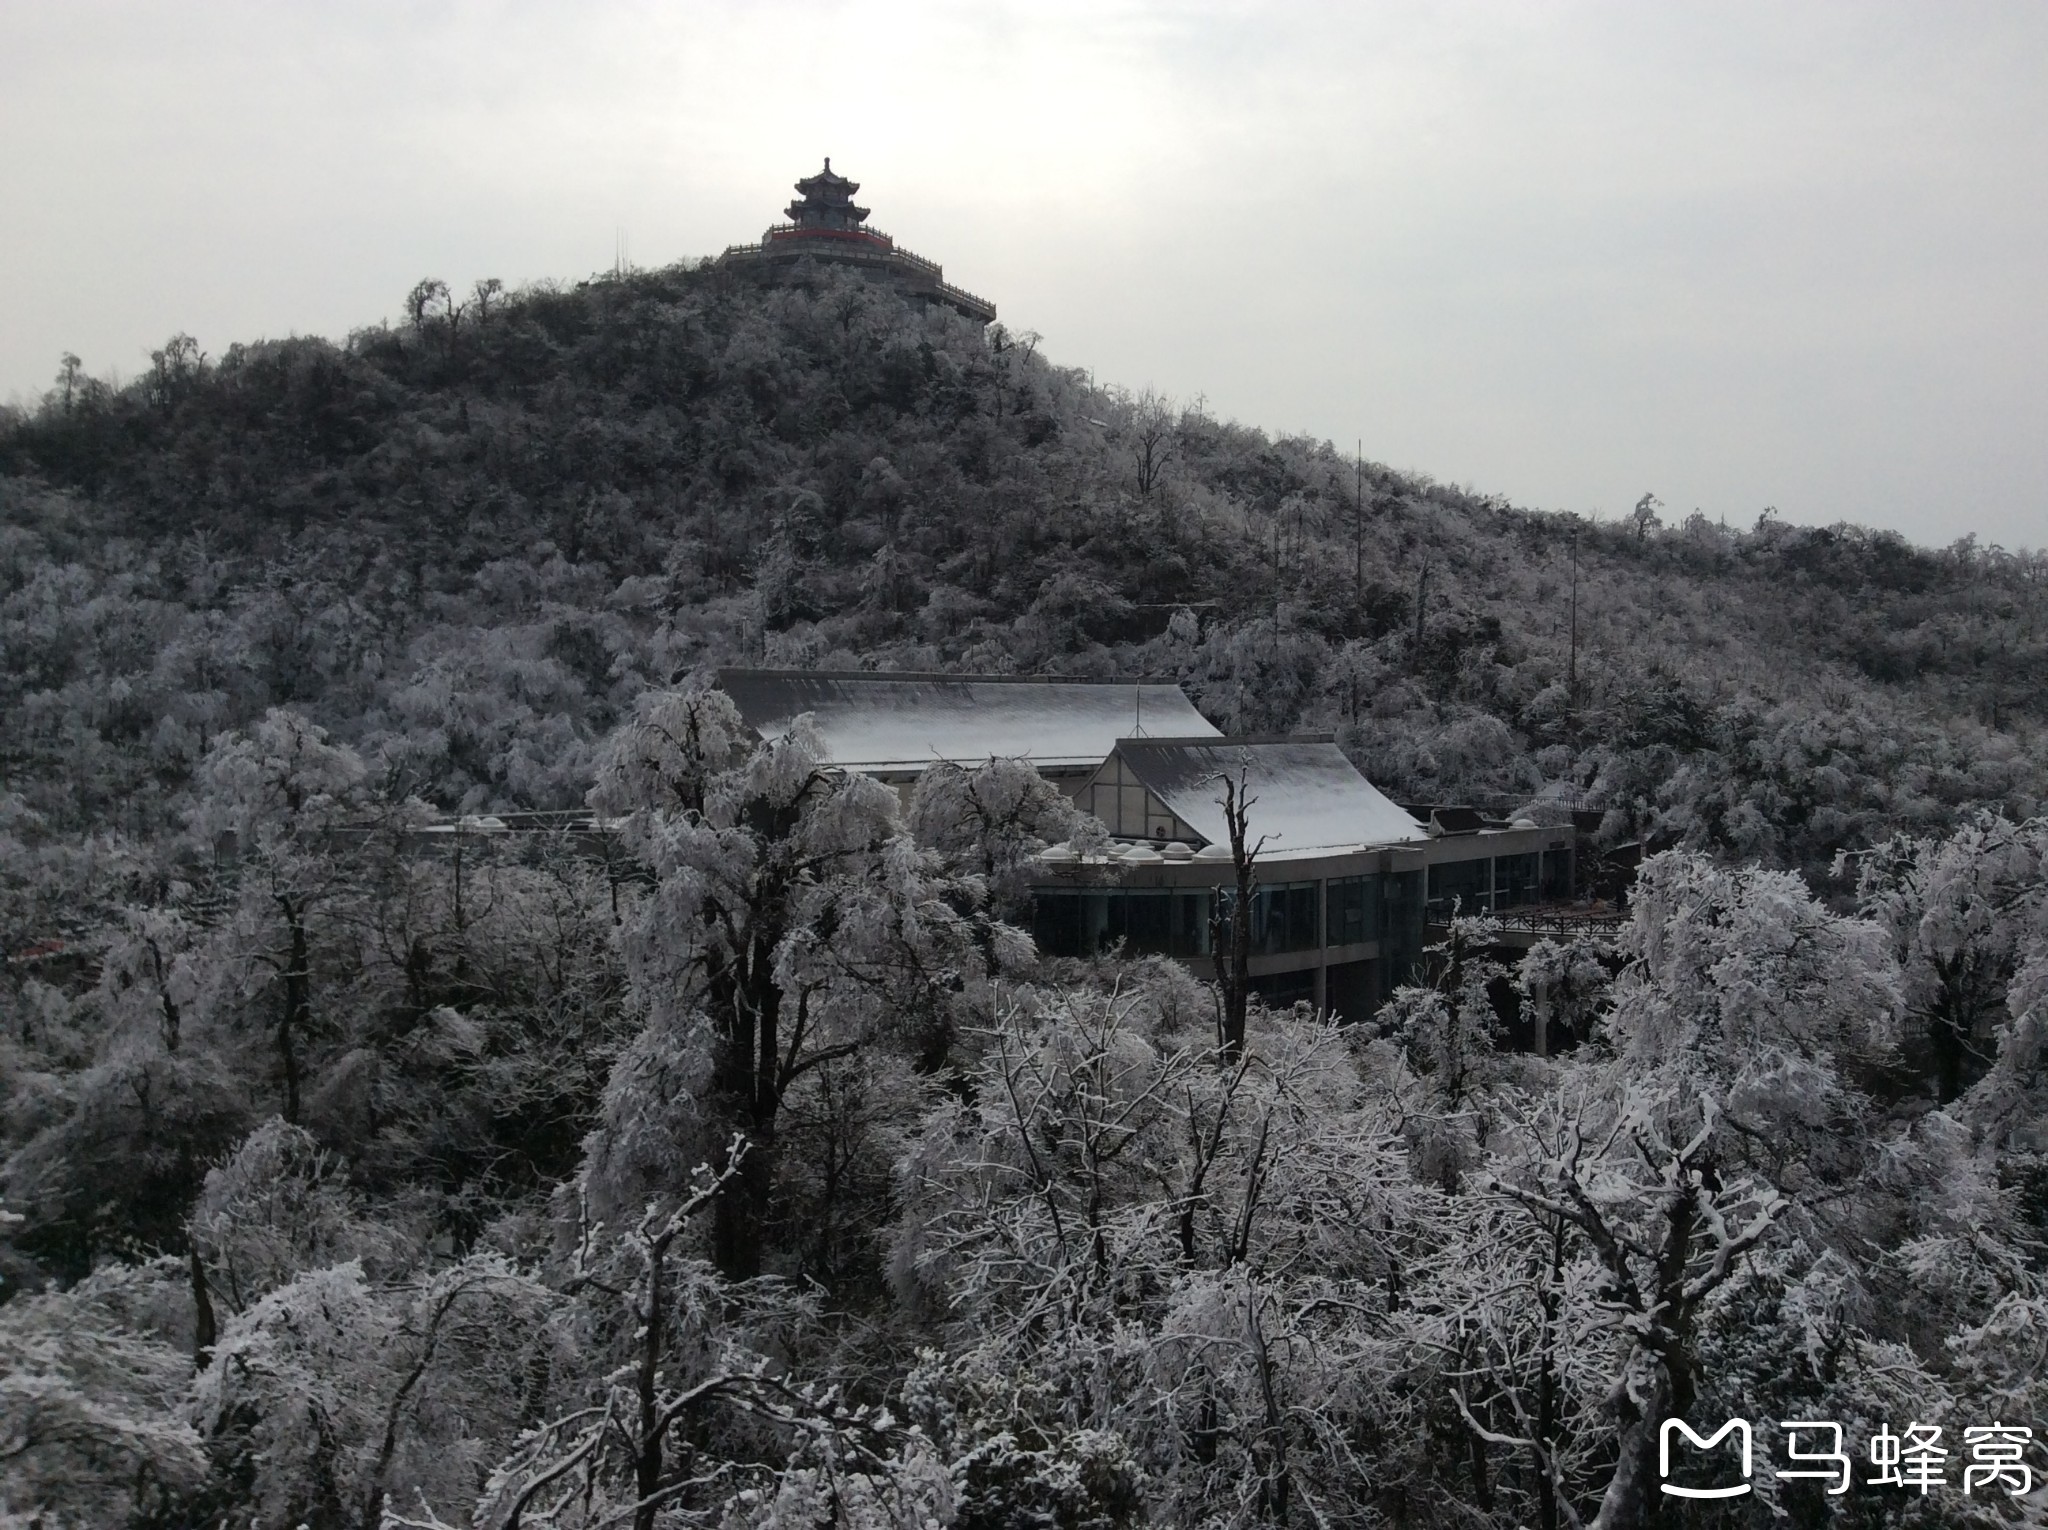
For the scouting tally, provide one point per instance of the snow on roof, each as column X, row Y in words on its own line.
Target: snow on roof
column 1304, row 793
column 878, row 721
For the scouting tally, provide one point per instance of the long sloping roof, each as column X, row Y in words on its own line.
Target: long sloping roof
column 884, row 722
column 1305, row 793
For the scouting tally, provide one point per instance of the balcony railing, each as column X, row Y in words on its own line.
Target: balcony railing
column 866, row 235
column 951, row 291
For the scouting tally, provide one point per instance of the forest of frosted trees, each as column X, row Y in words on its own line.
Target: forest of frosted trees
column 745, row 1165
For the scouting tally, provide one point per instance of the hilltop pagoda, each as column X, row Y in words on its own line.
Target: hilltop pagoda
column 827, row 227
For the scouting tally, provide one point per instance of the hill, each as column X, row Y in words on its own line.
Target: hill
column 747, row 1165
column 465, row 542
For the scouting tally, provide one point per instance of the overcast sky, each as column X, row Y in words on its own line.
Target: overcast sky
column 1738, row 255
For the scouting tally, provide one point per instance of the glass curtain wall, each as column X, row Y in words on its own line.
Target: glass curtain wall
column 1148, row 921
column 1517, row 880
column 1285, row 917
column 1351, row 911
column 1400, row 925
column 1467, row 885
column 1172, row 922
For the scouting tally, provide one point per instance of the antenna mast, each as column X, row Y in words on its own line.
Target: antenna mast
column 1571, row 683
column 1358, row 527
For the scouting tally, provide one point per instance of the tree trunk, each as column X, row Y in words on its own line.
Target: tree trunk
column 750, row 1082
column 205, row 1331
column 647, row 1464
column 1421, row 608
column 738, row 1232
column 1630, row 1501
column 1230, row 937
column 298, row 1006
column 1547, row 1387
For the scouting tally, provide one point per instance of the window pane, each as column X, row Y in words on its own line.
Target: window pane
column 1466, row 883
column 1056, row 923
column 1148, row 923
column 1284, row 918
column 1515, row 880
column 1353, row 912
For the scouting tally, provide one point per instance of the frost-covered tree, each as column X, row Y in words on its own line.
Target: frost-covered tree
column 1156, row 1268
column 277, row 800
column 1738, row 1029
column 988, row 820
column 1563, row 985
column 282, row 1207
column 792, row 924
column 120, row 1141
column 335, row 1393
column 1963, row 913
column 91, row 1386
column 668, row 1399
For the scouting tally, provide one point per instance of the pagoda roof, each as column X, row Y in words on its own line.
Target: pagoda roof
column 827, row 178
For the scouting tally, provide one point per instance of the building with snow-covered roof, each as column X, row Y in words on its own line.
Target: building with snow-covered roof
column 1347, row 880
column 893, row 725
column 1304, row 794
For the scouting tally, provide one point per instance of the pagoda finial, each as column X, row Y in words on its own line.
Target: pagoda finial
column 828, row 164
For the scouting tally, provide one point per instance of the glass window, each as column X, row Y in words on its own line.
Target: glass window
column 1467, row 884
column 1557, row 875
column 1352, row 911
column 1280, row 989
column 1284, row 917
column 1148, row 921
column 1191, row 923
column 1056, row 923
column 1400, row 903
column 1400, row 926
column 1516, row 880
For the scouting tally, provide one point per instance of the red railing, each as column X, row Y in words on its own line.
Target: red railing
column 798, row 231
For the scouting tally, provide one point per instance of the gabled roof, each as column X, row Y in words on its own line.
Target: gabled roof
column 904, row 722
column 1305, row 793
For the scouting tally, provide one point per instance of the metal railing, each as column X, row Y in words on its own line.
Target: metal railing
column 1537, row 921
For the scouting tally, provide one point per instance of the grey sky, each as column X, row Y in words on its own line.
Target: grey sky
column 1737, row 254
